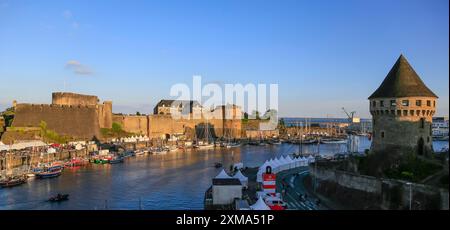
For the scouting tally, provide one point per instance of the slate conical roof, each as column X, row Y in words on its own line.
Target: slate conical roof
column 402, row 81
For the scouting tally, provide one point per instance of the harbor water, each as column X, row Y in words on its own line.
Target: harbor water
column 176, row 180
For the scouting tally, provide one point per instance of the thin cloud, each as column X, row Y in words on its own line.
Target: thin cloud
column 67, row 14
column 78, row 68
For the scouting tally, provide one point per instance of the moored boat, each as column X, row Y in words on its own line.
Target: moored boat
column 116, row 160
column 49, row 174
column 8, row 183
column 333, row 141
column 59, row 197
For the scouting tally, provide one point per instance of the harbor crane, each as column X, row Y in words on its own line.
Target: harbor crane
column 349, row 115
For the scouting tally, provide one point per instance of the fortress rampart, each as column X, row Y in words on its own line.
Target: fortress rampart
column 74, row 121
column 64, row 98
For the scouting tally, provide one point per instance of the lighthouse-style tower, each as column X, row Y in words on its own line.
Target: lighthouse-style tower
column 402, row 109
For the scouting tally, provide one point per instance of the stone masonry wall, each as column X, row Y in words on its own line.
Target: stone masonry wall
column 75, row 121
column 367, row 191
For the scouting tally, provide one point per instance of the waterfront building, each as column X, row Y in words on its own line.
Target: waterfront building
column 440, row 127
column 402, row 109
column 178, row 107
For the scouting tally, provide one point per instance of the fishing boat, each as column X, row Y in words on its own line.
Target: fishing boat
column 59, row 197
column 309, row 141
column 160, row 151
column 140, row 152
column 75, row 162
column 49, row 174
column 116, row 160
column 11, row 182
column 232, row 145
column 204, row 146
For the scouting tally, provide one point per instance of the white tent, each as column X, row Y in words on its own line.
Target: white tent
column 260, row 205
column 311, row 159
column 243, row 179
column 283, row 164
column 22, row 145
column 291, row 163
column 223, row 175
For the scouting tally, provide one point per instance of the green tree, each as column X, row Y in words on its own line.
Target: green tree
column 116, row 127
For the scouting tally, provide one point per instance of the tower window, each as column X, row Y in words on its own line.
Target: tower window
column 418, row 102
column 393, row 103
column 382, row 134
column 381, row 103
column 405, row 102
column 428, row 103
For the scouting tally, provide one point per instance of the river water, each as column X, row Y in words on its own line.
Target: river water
column 175, row 180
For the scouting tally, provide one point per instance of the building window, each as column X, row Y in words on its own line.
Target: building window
column 405, row 112
column 428, row 103
column 399, row 112
column 422, row 123
column 382, row 134
column 374, row 103
column 393, row 103
column 434, row 103
column 381, row 103
column 411, row 112
column 418, row 102
column 405, row 102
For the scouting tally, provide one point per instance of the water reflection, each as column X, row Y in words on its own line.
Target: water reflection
column 173, row 181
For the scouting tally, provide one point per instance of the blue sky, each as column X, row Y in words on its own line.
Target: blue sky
column 323, row 54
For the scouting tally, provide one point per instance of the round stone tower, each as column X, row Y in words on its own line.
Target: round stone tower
column 402, row 109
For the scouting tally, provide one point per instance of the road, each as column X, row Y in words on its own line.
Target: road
column 292, row 182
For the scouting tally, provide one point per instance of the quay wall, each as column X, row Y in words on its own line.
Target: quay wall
column 368, row 192
column 18, row 160
column 75, row 121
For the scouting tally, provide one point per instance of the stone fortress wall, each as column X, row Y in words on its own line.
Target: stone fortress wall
column 162, row 126
column 82, row 116
column 74, row 115
column 75, row 121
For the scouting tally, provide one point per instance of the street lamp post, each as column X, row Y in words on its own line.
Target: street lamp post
column 410, row 195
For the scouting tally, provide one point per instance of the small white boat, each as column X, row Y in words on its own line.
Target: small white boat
column 334, row 141
column 204, row 146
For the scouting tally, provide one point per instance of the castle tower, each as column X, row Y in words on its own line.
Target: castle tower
column 402, row 109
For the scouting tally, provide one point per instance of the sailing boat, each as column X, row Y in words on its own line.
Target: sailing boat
column 205, row 145
column 229, row 143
